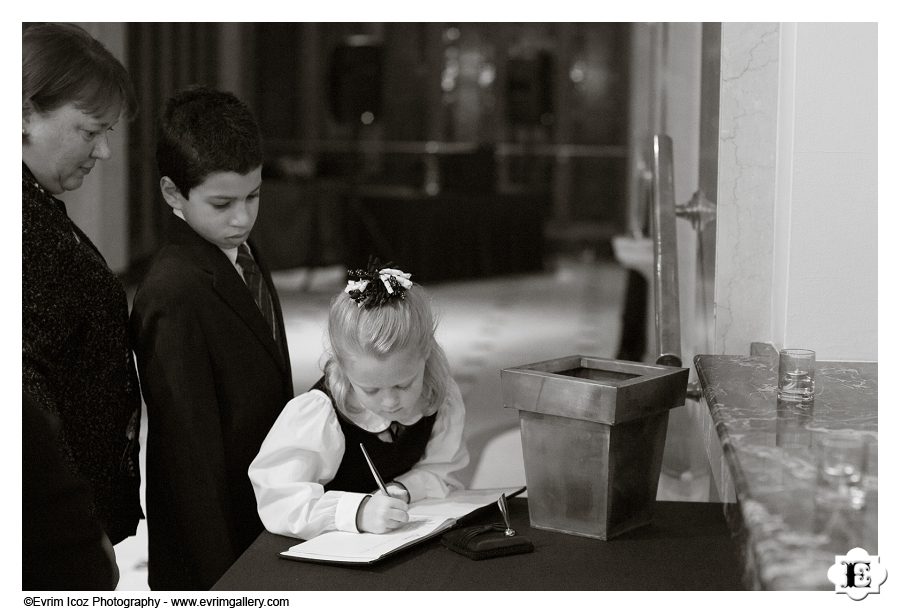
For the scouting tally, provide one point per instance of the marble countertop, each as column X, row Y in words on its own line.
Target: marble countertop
column 789, row 539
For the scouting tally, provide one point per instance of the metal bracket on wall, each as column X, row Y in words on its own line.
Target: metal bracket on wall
column 694, row 390
column 698, row 210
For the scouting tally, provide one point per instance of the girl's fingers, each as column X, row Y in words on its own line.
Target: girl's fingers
column 398, row 516
column 389, row 501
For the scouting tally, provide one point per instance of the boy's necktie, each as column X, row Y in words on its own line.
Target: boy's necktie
column 257, row 286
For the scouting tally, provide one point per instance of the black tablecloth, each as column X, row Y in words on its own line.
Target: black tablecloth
column 687, row 547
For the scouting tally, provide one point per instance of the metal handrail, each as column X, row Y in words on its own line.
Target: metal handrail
column 665, row 254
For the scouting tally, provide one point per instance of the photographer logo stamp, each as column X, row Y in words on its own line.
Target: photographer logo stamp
column 857, row 574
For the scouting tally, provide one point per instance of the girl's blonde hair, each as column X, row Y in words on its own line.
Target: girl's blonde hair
column 395, row 326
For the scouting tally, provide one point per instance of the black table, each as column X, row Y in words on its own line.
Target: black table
column 687, row 547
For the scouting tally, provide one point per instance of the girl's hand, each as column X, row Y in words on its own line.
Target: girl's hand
column 379, row 514
column 396, row 489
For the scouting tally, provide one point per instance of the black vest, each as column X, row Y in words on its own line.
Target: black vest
column 392, row 459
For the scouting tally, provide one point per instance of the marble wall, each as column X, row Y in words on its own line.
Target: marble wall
column 830, row 272
column 796, row 245
column 748, row 117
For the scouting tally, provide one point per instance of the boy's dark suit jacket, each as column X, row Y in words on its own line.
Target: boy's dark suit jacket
column 214, row 381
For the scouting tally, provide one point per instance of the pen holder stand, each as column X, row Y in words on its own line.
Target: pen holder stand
column 593, row 435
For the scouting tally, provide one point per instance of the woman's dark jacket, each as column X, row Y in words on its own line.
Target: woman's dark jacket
column 76, row 359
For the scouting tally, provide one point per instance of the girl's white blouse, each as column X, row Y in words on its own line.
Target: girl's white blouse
column 303, row 451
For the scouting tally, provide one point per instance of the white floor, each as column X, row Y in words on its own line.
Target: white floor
column 485, row 326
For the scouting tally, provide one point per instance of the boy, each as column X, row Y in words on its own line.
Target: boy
column 210, row 344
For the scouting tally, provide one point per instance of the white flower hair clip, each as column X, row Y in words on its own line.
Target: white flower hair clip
column 377, row 284
column 391, row 275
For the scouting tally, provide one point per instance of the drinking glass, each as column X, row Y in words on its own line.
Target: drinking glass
column 840, row 462
column 796, row 374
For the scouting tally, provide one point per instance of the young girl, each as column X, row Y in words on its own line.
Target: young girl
column 387, row 385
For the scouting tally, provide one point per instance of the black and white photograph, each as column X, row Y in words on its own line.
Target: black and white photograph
column 477, row 306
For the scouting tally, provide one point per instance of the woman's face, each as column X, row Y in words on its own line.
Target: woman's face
column 62, row 146
column 390, row 386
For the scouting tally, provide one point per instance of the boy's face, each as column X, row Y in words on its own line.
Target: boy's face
column 223, row 208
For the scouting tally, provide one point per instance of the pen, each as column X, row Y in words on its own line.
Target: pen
column 375, row 474
column 504, row 510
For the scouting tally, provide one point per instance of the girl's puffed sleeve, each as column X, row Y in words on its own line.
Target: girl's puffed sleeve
column 301, row 453
column 445, row 453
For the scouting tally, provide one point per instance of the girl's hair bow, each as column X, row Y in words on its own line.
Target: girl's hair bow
column 377, row 284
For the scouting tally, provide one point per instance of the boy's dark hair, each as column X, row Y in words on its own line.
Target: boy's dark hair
column 203, row 131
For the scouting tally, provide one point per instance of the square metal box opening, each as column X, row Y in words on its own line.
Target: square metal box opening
column 593, row 434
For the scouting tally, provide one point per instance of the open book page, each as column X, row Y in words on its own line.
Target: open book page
column 426, row 518
column 459, row 502
column 367, row 547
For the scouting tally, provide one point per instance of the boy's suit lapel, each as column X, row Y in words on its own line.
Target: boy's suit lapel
column 276, row 303
column 227, row 283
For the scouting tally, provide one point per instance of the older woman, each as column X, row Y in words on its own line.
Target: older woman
column 76, row 359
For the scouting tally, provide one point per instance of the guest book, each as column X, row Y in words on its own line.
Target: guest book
column 427, row 518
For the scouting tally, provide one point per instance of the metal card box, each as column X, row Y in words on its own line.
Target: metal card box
column 593, row 434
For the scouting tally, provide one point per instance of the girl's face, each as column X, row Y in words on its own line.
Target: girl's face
column 390, row 386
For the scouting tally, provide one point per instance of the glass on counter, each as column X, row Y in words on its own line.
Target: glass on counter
column 841, row 461
column 796, row 375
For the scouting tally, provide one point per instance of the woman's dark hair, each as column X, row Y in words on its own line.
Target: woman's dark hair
column 62, row 64
column 203, row 131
